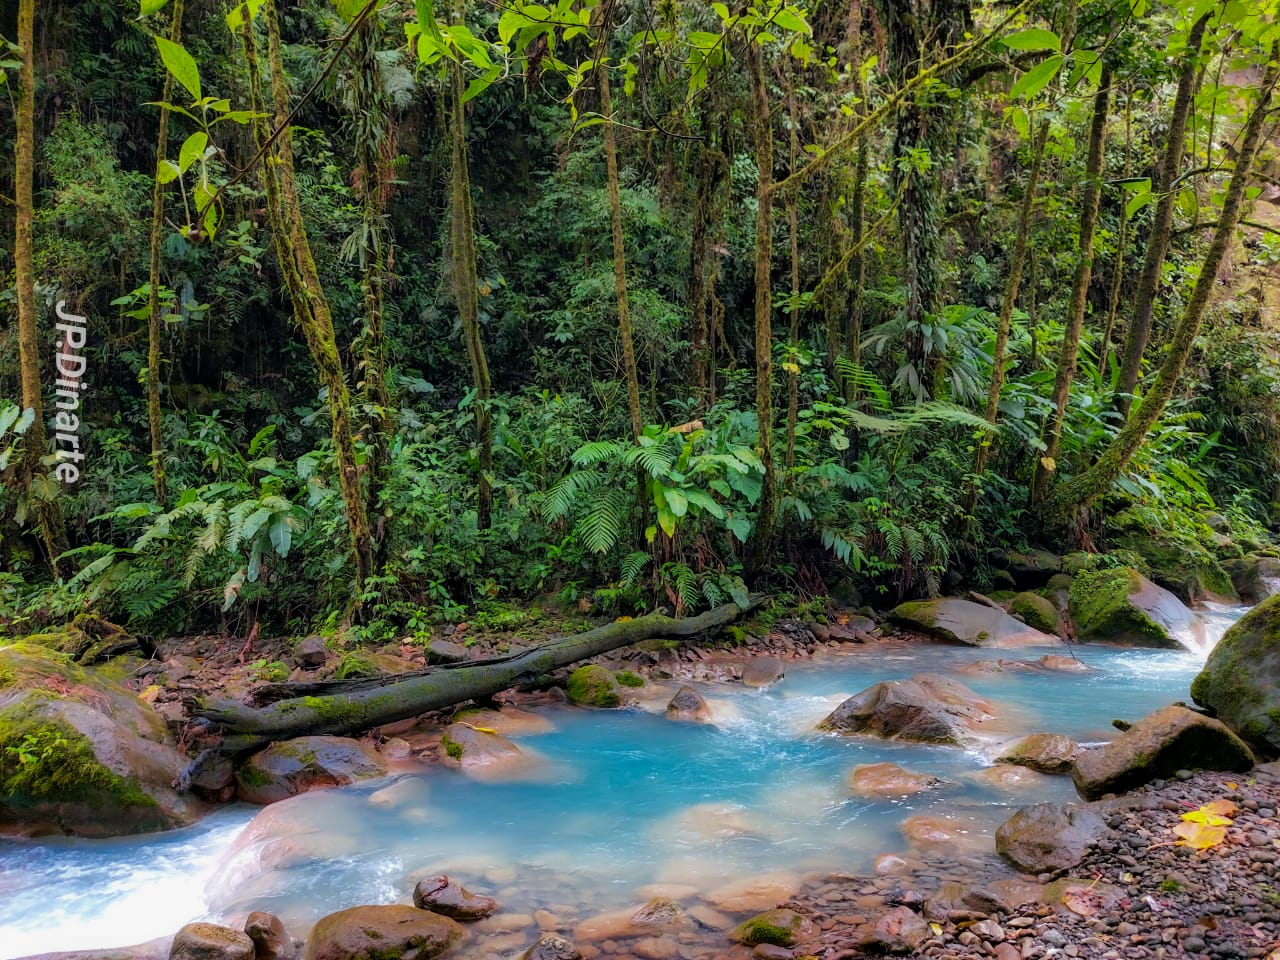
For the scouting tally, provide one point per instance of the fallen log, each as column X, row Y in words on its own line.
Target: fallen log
column 369, row 704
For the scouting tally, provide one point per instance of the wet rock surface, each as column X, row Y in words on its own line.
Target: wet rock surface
column 926, row 708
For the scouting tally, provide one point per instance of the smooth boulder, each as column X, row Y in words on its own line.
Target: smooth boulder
column 208, row 941
column 291, row 767
column 449, row 898
column 593, row 686
column 963, row 621
column 1036, row 612
column 472, row 746
column 81, row 754
column 1240, row 681
column 900, row 931
column 688, row 704
column 552, row 947
column 879, row 780
column 1119, row 605
column 1255, row 577
column 1156, row 747
column 397, row 932
column 270, row 941
column 1047, row 837
column 1046, row 752
column 926, row 708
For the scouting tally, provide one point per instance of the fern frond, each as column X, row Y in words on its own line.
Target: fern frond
column 604, row 522
column 633, row 564
column 598, row 451
column 559, row 501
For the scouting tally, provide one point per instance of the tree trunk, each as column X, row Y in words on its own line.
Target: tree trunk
column 1017, row 263
column 155, row 323
column 793, row 327
column 1070, row 350
column 373, row 703
column 711, row 172
column 1117, row 269
column 302, row 281
column 1079, row 493
column 47, row 513
column 1144, row 297
column 762, row 536
column 463, row 242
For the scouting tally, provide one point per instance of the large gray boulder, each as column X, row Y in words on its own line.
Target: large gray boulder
column 1047, row 837
column 962, row 621
column 1119, row 605
column 81, row 754
column 1156, row 747
column 1255, row 577
column 1240, row 682
column 396, row 932
column 290, row 767
column 927, row 708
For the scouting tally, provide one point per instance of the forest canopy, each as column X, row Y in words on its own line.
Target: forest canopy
column 382, row 314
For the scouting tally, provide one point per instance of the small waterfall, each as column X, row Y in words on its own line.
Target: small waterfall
column 1208, row 626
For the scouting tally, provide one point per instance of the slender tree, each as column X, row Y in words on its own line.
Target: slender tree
column 302, row 281
column 155, row 321
column 1069, row 352
column 462, row 240
column 1081, row 491
column 1144, row 297
column 47, row 513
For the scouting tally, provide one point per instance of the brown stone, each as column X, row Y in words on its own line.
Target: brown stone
column 877, row 780
column 397, row 932
column 449, row 898
column 208, row 941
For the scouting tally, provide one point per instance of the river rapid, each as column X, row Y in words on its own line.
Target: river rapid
column 612, row 806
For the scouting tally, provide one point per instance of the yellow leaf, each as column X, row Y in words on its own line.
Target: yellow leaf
column 1049, row 463
column 1231, row 786
column 936, row 928
column 1200, row 836
column 622, row 620
column 149, row 695
column 792, row 368
column 1222, row 807
column 484, row 730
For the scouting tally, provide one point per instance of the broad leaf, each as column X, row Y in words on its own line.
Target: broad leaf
column 1033, row 39
column 1037, row 78
column 181, row 64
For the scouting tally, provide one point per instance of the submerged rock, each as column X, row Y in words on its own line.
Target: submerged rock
column 397, row 932
column 552, row 947
column 80, row 754
column 899, row 931
column 1156, row 747
column 451, row 899
column 964, row 621
column 926, row 708
column 890, row 780
column 291, row 767
column 687, row 704
column 471, row 746
column 593, row 686
column 1046, row 752
column 780, row 927
column 1048, row 837
column 1120, row 605
column 208, row 941
column 1240, row 681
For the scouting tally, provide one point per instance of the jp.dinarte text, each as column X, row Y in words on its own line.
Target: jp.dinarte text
column 71, row 367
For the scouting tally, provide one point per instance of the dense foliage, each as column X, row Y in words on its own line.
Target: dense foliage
column 426, row 340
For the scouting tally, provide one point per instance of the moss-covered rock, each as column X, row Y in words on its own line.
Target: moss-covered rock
column 1120, row 605
column 955, row 620
column 1255, row 577
column 1183, row 567
column 1240, row 681
column 593, row 686
column 780, row 927
column 1035, row 611
column 290, row 767
column 79, row 754
column 87, row 639
column 1156, row 747
column 1031, row 568
column 477, row 746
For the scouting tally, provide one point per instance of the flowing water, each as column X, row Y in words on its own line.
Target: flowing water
column 611, row 802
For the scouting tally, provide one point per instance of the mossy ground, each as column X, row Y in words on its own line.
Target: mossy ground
column 1035, row 611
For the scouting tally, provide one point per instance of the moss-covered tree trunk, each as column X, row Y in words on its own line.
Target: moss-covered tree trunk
column 302, row 281
column 762, row 535
column 155, row 322
column 710, row 171
column 1144, row 297
column 370, row 704
column 1017, row 263
column 465, row 288
column 45, row 509
column 1078, row 494
column 1069, row 352
column 793, row 326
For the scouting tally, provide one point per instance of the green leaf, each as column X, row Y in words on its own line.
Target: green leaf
column 740, row 527
column 677, row 501
column 1037, row 78
column 148, row 7
column 181, row 64
column 348, row 10
column 1138, row 201
column 192, row 150
column 281, row 533
column 1033, row 39
column 242, row 12
column 167, row 171
column 667, row 521
column 789, row 18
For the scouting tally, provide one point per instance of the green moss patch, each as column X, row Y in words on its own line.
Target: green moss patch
column 593, row 686
column 1035, row 611
column 629, row 679
column 1100, row 607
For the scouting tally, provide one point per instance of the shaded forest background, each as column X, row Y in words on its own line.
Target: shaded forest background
column 447, row 309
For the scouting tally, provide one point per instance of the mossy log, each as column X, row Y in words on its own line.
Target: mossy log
column 360, row 705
